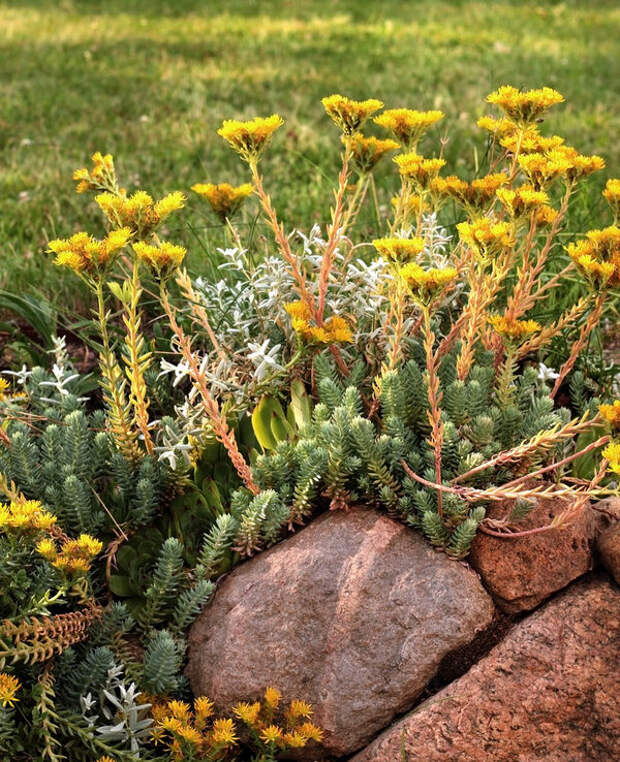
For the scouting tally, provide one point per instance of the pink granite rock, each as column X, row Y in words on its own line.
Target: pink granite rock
column 548, row 692
column 353, row 614
column 520, row 573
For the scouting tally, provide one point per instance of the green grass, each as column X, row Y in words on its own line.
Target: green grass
column 151, row 81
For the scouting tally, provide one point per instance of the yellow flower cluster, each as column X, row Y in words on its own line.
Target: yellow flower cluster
column 524, row 106
column 197, row 734
column 612, row 454
column 529, row 141
column 348, row 114
column 9, row 685
column 74, row 557
column 415, row 167
column 499, row 127
column 224, row 199
column 83, row 253
column 249, row 139
column 598, row 256
column 295, row 732
column 102, row 176
column 611, row 413
column 4, row 388
column 163, row 259
column 526, row 201
column 475, row 195
column 426, row 285
column 399, row 249
column 612, row 195
column 334, row 330
column 367, row 152
column 486, row 235
column 511, row 328
column 138, row 212
column 542, row 169
column 408, row 125
column 25, row 516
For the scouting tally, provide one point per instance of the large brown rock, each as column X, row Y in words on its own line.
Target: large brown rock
column 522, row 572
column 608, row 540
column 353, row 614
column 549, row 691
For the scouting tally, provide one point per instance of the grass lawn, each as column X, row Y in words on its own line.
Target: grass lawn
column 151, row 81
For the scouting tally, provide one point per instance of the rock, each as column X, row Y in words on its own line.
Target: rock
column 608, row 540
column 548, row 691
column 353, row 614
column 520, row 573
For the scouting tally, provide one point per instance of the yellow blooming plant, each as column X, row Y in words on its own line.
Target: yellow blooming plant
column 350, row 115
column 249, row 139
column 224, row 199
column 9, row 688
column 368, row 151
column 407, row 125
column 524, row 106
column 196, row 733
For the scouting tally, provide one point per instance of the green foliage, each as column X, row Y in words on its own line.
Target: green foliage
column 162, row 662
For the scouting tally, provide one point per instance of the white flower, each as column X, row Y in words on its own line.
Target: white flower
column 546, row 374
column 263, row 358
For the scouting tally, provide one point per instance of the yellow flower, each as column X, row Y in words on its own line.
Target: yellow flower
column 105, row 758
column 138, row 212
column 338, row 330
column 83, row 253
column 399, row 249
column 179, row 710
column 523, row 200
column 298, row 310
column 524, row 106
column 499, row 127
column 427, row 284
column 545, row 215
column 611, row 413
column 4, row 388
column 422, row 171
column 295, row 740
column 612, row 194
column 88, row 545
column 249, row 139
column 271, row 734
column 510, row 328
column 542, row 169
column 299, row 709
column 248, row 713
column 598, row 256
column 408, row 125
column 348, row 114
column 474, row 195
column 529, row 140
column 311, row 732
column 224, row 199
column 486, row 235
column 272, row 697
column 612, row 454
column 47, row 548
column 163, row 259
column 203, row 709
column 367, row 152
column 190, row 735
column 25, row 516
column 9, row 685
column 224, row 732
column 102, row 176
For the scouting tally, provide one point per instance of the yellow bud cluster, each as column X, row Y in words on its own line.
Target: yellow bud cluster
column 399, row 249
column 102, row 175
column 426, row 284
column 25, row 517
column 524, row 106
column 350, row 115
column 224, row 199
column 486, row 236
column 367, row 152
column 162, row 259
column 420, row 170
column 249, row 139
column 475, row 195
column 74, row 557
column 9, row 686
column 598, row 256
column 85, row 254
column 408, row 125
column 511, row 328
column 138, row 212
column 334, row 330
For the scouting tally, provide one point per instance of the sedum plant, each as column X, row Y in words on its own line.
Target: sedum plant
column 410, row 371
